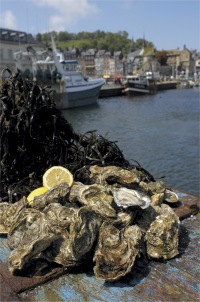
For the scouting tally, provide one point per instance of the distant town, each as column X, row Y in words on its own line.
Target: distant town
column 20, row 50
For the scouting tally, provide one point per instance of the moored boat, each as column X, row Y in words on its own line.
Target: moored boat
column 137, row 84
column 64, row 76
column 75, row 89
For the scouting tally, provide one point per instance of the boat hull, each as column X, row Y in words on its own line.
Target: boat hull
column 135, row 89
column 73, row 97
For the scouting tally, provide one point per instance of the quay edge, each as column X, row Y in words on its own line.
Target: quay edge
column 111, row 90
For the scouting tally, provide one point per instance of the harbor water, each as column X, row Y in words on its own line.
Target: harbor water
column 160, row 131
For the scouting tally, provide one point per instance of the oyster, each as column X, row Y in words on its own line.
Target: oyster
column 146, row 217
column 116, row 175
column 75, row 191
column 60, row 251
column 125, row 198
column 124, row 217
column 153, row 187
column 157, row 199
column 60, row 217
column 19, row 228
column 37, row 237
column 116, row 251
column 57, row 194
column 3, row 207
column 170, row 196
column 83, row 232
column 162, row 236
column 9, row 213
column 99, row 199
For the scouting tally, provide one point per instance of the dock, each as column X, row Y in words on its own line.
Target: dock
column 112, row 90
column 174, row 280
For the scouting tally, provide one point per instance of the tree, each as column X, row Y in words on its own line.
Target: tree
column 161, row 56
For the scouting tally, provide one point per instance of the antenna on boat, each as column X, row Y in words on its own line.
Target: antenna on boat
column 57, row 62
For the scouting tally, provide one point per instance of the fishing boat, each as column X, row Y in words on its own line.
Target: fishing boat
column 137, row 84
column 71, row 88
column 75, row 89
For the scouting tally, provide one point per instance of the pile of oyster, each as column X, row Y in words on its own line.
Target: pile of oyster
column 114, row 219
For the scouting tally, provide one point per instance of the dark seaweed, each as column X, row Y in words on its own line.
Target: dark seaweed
column 35, row 136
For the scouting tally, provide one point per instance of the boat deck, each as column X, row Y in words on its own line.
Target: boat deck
column 174, row 280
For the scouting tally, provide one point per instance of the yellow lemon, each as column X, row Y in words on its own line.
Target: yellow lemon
column 36, row 192
column 56, row 175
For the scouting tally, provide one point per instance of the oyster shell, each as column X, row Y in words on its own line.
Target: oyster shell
column 60, row 251
column 116, row 251
column 3, row 207
column 19, row 228
column 60, row 217
column 153, row 187
column 125, row 198
column 170, row 196
column 37, row 237
column 157, row 199
column 99, row 199
column 75, row 191
column 124, row 218
column 83, row 232
column 9, row 213
column 57, row 194
column 146, row 217
column 110, row 175
column 162, row 236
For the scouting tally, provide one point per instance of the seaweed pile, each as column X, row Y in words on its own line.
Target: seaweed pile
column 35, row 136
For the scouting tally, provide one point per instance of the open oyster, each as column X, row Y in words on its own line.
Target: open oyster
column 116, row 251
column 9, row 212
column 37, row 237
column 162, row 236
column 58, row 193
column 99, row 199
column 116, row 175
column 125, row 198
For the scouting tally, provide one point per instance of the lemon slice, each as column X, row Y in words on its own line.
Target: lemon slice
column 56, row 175
column 37, row 192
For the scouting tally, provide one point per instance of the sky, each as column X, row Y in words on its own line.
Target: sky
column 169, row 24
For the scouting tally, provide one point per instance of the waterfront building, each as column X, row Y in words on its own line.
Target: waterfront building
column 12, row 41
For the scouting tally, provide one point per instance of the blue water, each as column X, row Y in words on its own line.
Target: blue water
column 161, row 132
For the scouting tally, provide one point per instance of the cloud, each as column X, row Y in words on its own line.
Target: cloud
column 8, row 20
column 67, row 12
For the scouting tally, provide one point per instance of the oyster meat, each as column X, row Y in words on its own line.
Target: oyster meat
column 125, row 198
column 57, row 194
column 116, row 251
column 162, row 236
